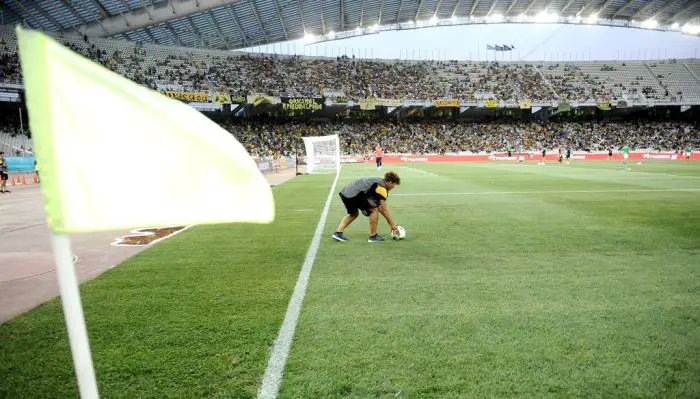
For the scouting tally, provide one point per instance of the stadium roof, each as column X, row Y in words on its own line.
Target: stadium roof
column 231, row 24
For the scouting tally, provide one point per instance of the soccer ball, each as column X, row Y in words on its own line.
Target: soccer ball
column 639, row 163
column 401, row 235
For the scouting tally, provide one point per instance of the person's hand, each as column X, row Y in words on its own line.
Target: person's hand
column 394, row 229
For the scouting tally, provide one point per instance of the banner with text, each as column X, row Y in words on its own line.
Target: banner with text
column 491, row 103
column 340, row 101
column 199, row 97
column 446, row 103
column 604, row 106
column 388, row 102
column 531, row 157
column 417, row 103
column 300, row 103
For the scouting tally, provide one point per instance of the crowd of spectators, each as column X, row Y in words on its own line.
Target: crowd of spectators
column 440, row 137
column 295, row 76
column 357, row 137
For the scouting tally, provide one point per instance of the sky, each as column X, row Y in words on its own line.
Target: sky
column 533, row 42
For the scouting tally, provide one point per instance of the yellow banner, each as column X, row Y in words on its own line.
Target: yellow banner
column 368, row 104
column 491, row 103
column 221, row 98
column 526, row 104
column 184, row 96
column 259, row 99
column 238, row 99
column 446, row 103
column 604, row 106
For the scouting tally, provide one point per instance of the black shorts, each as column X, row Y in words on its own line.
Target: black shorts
column 354, row 204
column 4, row 176
column 568, row 156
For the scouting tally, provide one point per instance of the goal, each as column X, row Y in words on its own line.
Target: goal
column 322, row 154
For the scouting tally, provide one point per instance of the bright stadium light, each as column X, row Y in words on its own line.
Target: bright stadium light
column 650, row 23
column 592, row 19
column 495, row 18
column 546, row 17
column 358, row 30
column 675, row 25
column 374, row 28
column 419, row 23
column 691, row 29
column 453, row 19
column 521, row 18
column 434, row 20
column 331, row 35
column 308, row 38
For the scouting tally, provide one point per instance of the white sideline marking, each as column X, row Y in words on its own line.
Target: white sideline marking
column 275, row 366
column 552, row 192
column 425, row 172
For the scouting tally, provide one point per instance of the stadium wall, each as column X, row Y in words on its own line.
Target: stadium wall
column 20, row 164
column 576, row 156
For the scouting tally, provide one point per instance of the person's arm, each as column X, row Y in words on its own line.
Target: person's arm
column 384, row 210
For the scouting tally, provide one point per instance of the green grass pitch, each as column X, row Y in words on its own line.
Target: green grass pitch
column 578, row 280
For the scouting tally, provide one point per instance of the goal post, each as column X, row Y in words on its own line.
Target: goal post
column 322, row 154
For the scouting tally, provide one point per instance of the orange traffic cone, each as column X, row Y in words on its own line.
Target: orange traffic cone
column 36, row 179
column 13, row 181
column 24, row 180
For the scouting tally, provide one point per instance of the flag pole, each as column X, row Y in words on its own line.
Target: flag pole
column 75, row 320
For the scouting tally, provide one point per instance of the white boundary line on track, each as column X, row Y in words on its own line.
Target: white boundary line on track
column 554, row 192
column 272, row 379
column 425, row 172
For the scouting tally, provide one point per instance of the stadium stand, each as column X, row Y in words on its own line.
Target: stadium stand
column 14, row 143
column 240, row 74
column 186, row 69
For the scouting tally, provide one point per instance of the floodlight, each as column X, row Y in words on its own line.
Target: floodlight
column 650, row 23
column 495, row 18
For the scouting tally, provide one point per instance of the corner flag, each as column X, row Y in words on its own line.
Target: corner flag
column 117, row 155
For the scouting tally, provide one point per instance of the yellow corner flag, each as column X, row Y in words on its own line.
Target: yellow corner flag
column 117, row 155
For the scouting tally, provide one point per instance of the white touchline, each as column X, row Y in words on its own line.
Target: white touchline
column 275, row 366
column 425, row 172
column 552, row 192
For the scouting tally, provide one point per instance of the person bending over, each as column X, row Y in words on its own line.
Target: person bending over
column 368, row 195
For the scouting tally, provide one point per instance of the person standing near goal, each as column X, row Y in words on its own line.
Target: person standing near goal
column 369, row 195
column 379, row 155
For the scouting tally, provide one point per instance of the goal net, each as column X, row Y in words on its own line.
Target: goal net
column 322, row 154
